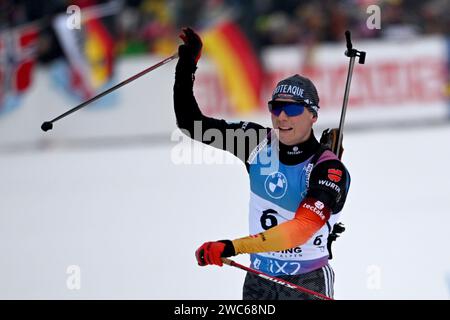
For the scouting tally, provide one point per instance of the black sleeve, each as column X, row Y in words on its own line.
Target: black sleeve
column 239, row 138
column 329, row 182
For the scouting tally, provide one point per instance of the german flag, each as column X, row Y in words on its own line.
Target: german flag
column 238, row 64
column 99, row 50
column 89, row 52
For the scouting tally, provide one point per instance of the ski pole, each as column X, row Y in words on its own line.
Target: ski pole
column 279, row 281
column 48, row 125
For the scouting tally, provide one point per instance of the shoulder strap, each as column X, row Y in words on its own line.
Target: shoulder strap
column 318, row 154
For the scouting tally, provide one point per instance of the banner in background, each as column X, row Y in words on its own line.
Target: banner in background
column 396, row 73
column 405, row 81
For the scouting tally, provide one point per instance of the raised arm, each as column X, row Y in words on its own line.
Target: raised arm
column 239, row 138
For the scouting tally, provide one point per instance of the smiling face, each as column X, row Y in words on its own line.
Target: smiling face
column 295, row 129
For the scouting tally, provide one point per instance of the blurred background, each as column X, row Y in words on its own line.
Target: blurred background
column 104, row 190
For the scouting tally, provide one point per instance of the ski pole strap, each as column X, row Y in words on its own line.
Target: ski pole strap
column 279, row 281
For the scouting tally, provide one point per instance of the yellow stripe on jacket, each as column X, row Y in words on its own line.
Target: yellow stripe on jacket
column 310, row 216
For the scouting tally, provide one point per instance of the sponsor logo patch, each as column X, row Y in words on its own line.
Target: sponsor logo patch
column 315, row 209
column 330, row 184
column 335, row 175
column 295, row 150
column 276, row 185
column 288, row 89
column 319, row 205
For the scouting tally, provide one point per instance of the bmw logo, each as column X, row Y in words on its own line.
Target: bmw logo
column 276, row 185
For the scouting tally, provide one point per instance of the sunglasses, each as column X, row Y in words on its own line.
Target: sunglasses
column 290, row 108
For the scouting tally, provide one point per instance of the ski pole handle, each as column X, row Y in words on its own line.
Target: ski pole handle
column 348, row 40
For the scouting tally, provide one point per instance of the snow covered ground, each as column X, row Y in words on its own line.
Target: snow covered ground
column 131, row 219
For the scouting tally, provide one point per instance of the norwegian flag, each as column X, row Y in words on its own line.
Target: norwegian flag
column 17, row 61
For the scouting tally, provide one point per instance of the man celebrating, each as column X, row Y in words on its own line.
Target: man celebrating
column 292, row 209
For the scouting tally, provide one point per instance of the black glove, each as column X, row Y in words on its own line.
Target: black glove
column 192, row 47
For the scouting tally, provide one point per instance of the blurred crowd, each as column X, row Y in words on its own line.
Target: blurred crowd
column 153, row 25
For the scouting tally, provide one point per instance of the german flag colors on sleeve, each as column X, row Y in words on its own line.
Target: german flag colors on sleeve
column 307, row 221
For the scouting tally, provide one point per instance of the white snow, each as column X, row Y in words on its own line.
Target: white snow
column 131, row 219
